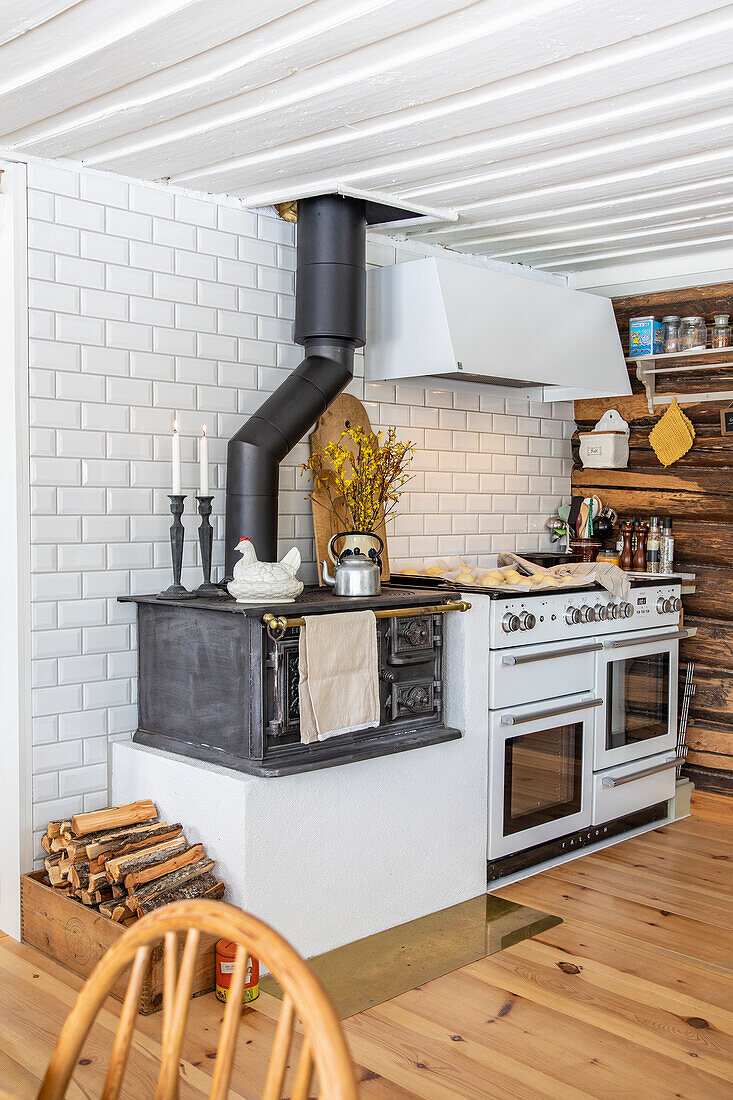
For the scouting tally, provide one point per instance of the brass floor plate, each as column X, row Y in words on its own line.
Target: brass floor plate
column 365, row 973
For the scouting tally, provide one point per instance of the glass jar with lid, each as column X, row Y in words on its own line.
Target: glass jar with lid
column 671, row 334
column 720, row 332
column 693, row 334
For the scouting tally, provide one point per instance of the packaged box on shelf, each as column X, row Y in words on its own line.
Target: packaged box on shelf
column 646, row 336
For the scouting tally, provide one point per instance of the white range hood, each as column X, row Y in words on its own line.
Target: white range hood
column 437, row 318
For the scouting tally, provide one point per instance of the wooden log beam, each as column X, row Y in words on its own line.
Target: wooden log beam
column 707, row 736
column 712, row 643
column 659, row 502
column 661, row 479
column 710, row 760
column 713, row 595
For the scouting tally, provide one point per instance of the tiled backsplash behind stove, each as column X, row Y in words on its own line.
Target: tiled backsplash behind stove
column 146, row 303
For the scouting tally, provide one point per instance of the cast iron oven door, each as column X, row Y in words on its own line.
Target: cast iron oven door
column 410, row 687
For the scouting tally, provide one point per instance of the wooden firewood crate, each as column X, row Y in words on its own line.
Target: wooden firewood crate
column 77, row 936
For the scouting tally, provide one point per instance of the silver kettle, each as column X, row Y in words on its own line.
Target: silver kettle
column 355, row 575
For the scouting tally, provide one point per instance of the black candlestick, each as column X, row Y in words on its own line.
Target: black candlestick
column 176, row 590
column 207, row 590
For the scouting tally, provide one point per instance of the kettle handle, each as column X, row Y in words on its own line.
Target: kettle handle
column 332, row 556
column 376, row 555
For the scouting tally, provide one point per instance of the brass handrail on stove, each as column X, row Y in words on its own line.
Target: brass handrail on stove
column 281, row 624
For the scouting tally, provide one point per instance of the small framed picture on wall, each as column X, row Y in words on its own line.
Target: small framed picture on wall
column 726, row 421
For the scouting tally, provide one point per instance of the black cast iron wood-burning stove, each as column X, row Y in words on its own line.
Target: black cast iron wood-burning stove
column 214, row 685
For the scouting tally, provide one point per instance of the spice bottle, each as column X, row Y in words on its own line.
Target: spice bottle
column 666, row 548
column 720, row 332
column 640, row 553
column 653, row 546
column 693, row 334
column 671, row 333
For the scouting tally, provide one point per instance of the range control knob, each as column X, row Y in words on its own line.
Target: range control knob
column 572, row 616
column 626, row 610
column 601, row 612
column 510, row 623
column 666, row 607
column 613, row 611
column 676, row 603
column 526, row 620
column 587, row 614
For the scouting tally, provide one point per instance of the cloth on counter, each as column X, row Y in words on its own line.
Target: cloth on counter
column 339, row 675
column 609, row 576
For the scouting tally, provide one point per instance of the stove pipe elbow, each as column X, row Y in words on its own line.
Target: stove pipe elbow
column 330, row 321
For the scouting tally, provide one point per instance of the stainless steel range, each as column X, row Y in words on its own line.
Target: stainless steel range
column 583, row 718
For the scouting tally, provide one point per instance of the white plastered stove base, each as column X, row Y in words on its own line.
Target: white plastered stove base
column 330, row 856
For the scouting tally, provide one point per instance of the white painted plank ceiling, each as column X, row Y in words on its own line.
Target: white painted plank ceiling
column 563, row 134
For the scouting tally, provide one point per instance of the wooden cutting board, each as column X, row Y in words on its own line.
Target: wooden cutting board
column 346, row 411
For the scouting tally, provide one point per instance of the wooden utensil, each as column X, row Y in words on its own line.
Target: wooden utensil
column 583, row 520
column 346, row 411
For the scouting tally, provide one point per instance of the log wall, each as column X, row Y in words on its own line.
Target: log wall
column 697, row 491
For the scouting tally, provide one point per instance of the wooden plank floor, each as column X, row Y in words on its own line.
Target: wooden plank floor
column 631, row 997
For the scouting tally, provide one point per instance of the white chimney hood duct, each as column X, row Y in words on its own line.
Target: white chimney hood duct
column 442, row 319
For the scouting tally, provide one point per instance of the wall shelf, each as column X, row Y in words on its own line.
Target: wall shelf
column 647, row 371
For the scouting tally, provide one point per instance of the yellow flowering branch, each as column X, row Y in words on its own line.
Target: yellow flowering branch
column 361, row 474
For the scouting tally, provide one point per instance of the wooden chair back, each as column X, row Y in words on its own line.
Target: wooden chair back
column 323, row 1049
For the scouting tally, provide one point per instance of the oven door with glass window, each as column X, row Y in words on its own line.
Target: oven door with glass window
column 540, row 772
column 636, row 678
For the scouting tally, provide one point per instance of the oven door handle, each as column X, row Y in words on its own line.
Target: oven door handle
column 645, row 641
column 528, row 658
column 611, row 781
column 518, row 719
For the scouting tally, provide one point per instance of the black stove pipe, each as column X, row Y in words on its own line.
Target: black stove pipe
column 330, row 322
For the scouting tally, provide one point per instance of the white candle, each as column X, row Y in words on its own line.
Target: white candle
column 203, row 464
column 176, row 462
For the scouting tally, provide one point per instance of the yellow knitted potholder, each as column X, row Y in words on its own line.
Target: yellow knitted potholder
column 672, row 435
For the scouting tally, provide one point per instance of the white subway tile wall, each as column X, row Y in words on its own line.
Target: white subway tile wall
column 145, row 305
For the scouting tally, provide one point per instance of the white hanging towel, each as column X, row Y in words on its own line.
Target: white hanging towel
column 339, row 675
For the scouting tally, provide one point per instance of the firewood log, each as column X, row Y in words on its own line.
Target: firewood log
column 104, row 838
column 53, row 869
column 56, row 828
column 115, row 817
column 66, row 863
column 120, row 841
column 116, row 869
column 205, row 886
column 94, row 897
column 79, row 875
column 148, row 874
column 169, row 883
column 97, row 880
column 46, row 842
column 58, row 844
column 115, row 910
